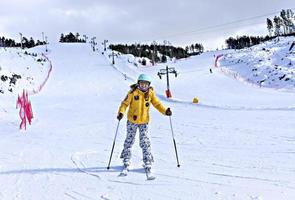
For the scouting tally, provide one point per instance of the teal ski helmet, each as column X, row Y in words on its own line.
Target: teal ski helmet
column 144, row 77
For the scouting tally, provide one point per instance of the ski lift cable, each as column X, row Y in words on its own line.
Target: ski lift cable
column 225, row 24
column 216, row 27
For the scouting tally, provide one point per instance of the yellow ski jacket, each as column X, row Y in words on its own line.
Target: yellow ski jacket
column 139, row 105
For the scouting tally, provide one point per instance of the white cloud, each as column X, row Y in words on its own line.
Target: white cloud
column 135, row 21
column 255, row 30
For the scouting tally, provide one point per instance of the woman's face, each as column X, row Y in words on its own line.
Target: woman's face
column 144, row 85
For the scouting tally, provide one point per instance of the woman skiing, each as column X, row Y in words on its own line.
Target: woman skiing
column 139, row 99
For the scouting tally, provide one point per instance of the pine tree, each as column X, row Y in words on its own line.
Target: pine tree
column 25, row 42
column 199, row 48
column 62, row 38
column 2, row 42
column 269, row 26
column 187, row 49
column 77, row 37
column 31, row 43
column 230, row 43
column 192, row 48
column 277, row 25
column 71, row 37
column 291, row 20
column 287, row 23
column 163, row 59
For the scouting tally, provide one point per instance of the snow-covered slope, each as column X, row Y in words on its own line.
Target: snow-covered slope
column 21, row 70
column 270, row 64
column 238, row 143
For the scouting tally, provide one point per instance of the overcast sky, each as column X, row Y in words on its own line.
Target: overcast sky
column 181, row 22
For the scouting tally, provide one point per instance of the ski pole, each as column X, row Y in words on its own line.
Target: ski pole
column 113, row 145
column 178, row 165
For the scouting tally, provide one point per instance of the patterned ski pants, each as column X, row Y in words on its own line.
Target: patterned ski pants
column 144, row 143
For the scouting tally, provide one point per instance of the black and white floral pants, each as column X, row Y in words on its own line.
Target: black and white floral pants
column 144, row 143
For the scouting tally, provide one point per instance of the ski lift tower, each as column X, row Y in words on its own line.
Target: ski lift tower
column 21, row 40
column 167, row 71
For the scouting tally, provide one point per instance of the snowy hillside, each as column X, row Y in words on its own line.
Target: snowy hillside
column 270, row 64
column 236, row 144
column 21, row 70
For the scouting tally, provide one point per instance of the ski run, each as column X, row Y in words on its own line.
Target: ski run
column 236, row 143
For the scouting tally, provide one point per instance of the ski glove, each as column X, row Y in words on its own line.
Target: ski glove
column 168, row 112
column 120, row 116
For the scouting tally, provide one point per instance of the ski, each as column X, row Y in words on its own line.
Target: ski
column 124, row 171
column 150, row 177
column 148, row 173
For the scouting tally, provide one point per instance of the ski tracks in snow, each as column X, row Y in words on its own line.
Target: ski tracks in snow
column 78, row 196
column 76, row 159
